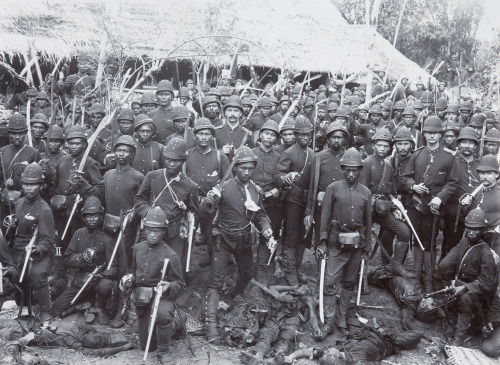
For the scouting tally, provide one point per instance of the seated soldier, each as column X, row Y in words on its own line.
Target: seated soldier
column 90, row 248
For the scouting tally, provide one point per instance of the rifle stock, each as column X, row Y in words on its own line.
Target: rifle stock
column 89, row 279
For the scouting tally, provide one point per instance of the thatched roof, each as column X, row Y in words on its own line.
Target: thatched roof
column 301, row 34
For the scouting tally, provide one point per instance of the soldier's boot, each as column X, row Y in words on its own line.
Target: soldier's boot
column 418, row 258
column 463, row 324
column 290, row 267
column 427, row 272
column 163, row 336
column 299, row 257
column 102, row 314
column 143, row 329
column 212, row 304
column 400, row 249
column 117, row 321
column 341, row 313
column 43, row 296
column 330, row 305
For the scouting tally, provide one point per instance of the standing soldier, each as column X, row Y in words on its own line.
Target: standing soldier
column 14, row 159
column 409, row 119
column 451, row 132
column 378, row 177
column 39, row 125
column 42, row 104
column 180, row 117
column 148, row 102
column 240, row 206
column 345, row 235
column 465, row 111
column 257, row 120
column 89, row 248
column 33, row 212
column 148, row 156
column 232, row 134
column 55, row 141
column 172, row 191
column 287, row 136
column 162, row 115
column 211, row 110
column 492, row 142
column 97, row 113
column 325, row 169
column 292, row 174
column 149, row 257
column 430, row 176
column 282, row 109
column 263, row 177
column 206, row 167
column 375, row 124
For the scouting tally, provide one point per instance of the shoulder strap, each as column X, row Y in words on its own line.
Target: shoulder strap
column 219, row 163
column 15, row 156
column 384, row 175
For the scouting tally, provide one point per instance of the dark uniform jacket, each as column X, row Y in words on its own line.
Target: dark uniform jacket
column 148, row 158
column 162, row 119
column 263, row 175
column 148, row 264
column 488, row 200
column 256, row 122
column 206, row 170
column 226, row 135
column 13, row 168
column 372, row 173
column 120, row 189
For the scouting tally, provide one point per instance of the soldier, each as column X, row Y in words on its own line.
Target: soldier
column 409, row 118
column 97, row 113
column 55, row 141
column 232, row 134
column 14, row 158
column 376, row 123
column 149, row 154
column 292, row 174
column 385, row 108
column 240, row 206
column 274, row 104
column 135, row 105
column 173, row 192
column 397, row 112
column 332, row 110
column 184, row 95
column 162, row 115
column 211, row 110
column 263, row 177
column 247, row 107
column 450, row 135
column 345, row 236
column 492, row 142
column 148, row 102
column 287, row 136
column 471, row 267
column 465, row 112
column 452, row 114
column 477, row 123
column 325, row 169
column 441, row 106
column 42, row 104
column 430, row 176
column 206, row 167
column 225, row 92
column 32, row 211
column 467, row 181
column 149, row 257
column 180, row 117
column 257, row 120
column 90, row 247
column 39, row 125
column 78, row 84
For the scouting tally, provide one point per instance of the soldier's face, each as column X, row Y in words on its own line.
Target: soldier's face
column 351, row 174
column 468, row 147
column 284, row 105
column 55, row 145
column 126, row 126
column 409, row 120
column 308, row 109
column 203, row 137
column 465, row 115
column 451, row 117
column 268, row 138
column 303, row 139
column 164, row 98
column 246, row 109
column 41, row 103
column 144, row 133
column 473, row 234
column 92, row 220
column 180, row 125
column 265, row 110
column 449, row 138
column 491, row 147
column 337, row 140
column 288, row 137
column 382, row 148
column 95, row 119
column 38, row 130
column 17, row 138
column 488, row 178
column 244, row 171
column 233, row 114
column 148, row 107
column 124, row 154
column 440, row 113
column 183, row 100
column 75, row 146
column 375, row 118
column 331, row 114
column 403, row 148
column 321, row 114
column 31, row 190
column 274, row 107
column 136, row 108
column 211, row 110
column 173, row 167
column 154, row 234
column 432, row 138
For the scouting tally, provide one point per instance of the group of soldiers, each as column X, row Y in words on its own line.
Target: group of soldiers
column 101, row 211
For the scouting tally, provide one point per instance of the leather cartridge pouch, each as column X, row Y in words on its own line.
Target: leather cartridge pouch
column 421, row 204
column 382, row 207
column 349, row 240
column 111, row 223
column 10, row 196
column 143, row 296
column 58, row 202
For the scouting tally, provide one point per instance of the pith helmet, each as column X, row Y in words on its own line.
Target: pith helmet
column 476, row 219
column 335, row 127
column 127, row 141
column 488, row 163
column 352, row 158
column 76, row 131
column 245, row 154
column 469, row 134
column 433, row 124
column 165, row 85
column 32, row 174
column 17, row 123
column 270, row 125
column 155, row 218
column 175, row 149
column 203, row 123
column 92, row 205
column 302, row 125
column 142, row 119
column 126, row 114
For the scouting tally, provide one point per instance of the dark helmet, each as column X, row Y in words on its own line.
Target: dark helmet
column 175, row 149
column 180, row 113
column 309, row 102
column 265, row 102
column 469, row 134
column 493, row 135
column 476, row 219
column 488, row 163
column 235, row 101
column 452, row 108
column 352, row 158
column 97, row 108
column 246, row 101
column 364, row 107
column 382, row 134
column 399, row 105
column 142, row 119
column 386, row 104
column 55, row 132
column 274, row 100
column 288, row 125
column 92, row 205
column 155, row 218
column 210, row 99
column 32, row 174
column 427, row 97
column 466, row 106
column 17, row 123
column 203, row 123
column 32, row 92
column 403, row 134
column 244, row 154
column 184, row 93
column 341, row 112
column 477, row 120
column 433, row 124
column 271, row 125
column 284, row 98
column 409, row 110
column 224, row 91
column 76, row 131
column 302, row 125
column 333, row 106
column 214, row 92
column 441, row 103
column 149, row 97
column 165, row 85
column 335, row 127
column 126, row 114
column 127, row 141
column 40, row 118
column 375, row 109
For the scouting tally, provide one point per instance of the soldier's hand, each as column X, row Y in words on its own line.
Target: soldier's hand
column 227, row 149
column 89, row 256
column 9, row 183
column 420, row 189
column 44, row 164
column 35, row 251
column 213, row 196
column 321, row 196
column 126, row 282
column 110, row 161
column 165, row 286
column 308, row 221
column 397, row 214
column 267, row 233
column 291, row 177
column 322, row 250
column 466, row 200
column 365, row 256
column 459, row 290
column 487, row 330
column 435, row 204
column 183, row 231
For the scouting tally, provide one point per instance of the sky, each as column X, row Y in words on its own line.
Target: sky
column 490, row 20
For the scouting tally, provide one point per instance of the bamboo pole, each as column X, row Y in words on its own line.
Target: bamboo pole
column 399, row 24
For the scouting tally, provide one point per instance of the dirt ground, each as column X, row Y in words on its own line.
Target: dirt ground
column 388, row 316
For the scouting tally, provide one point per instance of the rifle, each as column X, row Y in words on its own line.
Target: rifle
column 321, row 291
column 190, row 217
column 447, row 290
column 118, row 240
column 401, row 208
column 87, row 282
column 73, row 210
column 271, row 245
column 154, row 310
column 29, row 249
column 358, row 299
column 184, row 328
